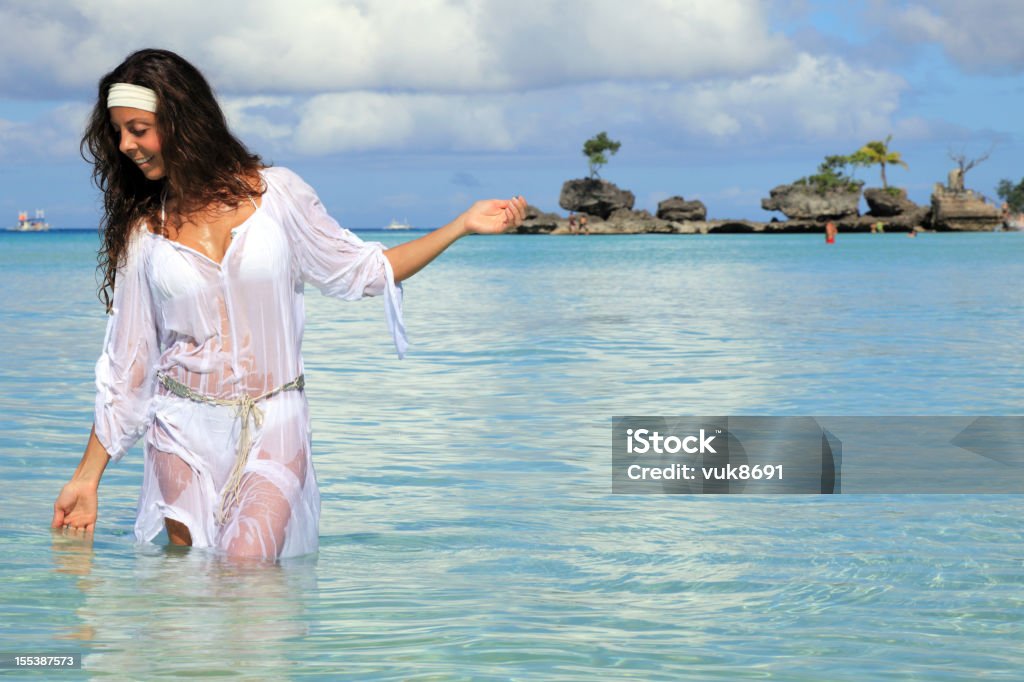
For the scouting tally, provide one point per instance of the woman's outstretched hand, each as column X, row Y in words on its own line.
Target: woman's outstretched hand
column 492, row 216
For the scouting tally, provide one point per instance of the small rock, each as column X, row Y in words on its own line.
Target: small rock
column 885, row 202
column 538, row 221
column 680, row 210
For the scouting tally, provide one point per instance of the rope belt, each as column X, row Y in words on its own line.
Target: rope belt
column 245, row 410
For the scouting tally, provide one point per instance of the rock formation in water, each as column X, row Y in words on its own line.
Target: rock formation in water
column 594, row 197
column 894, row 208
column 539, row 222
column 679, row 209
column 625, row 221
column 808, row 208
column 962, row 210
column 884, row 203
column 804, row 202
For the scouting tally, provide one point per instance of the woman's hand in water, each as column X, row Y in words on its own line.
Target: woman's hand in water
column 492, row 216
column 76, row 506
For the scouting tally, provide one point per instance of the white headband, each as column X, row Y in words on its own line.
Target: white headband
column 134, row 96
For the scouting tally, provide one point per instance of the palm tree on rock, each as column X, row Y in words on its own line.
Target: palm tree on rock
column 878, row 152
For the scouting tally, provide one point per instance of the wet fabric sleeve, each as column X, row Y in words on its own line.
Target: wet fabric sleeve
column 336, row 261
column 126, row 369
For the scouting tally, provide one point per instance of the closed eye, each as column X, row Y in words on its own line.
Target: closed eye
column 137, row 132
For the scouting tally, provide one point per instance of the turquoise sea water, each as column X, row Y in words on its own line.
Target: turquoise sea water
column 468, row 528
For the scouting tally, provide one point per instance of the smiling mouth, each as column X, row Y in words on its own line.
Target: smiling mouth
column 145, row 160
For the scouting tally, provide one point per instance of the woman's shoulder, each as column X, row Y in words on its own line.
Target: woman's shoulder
column 289, row 184
column 281, row 176
column 137, row 233
column 137, row 242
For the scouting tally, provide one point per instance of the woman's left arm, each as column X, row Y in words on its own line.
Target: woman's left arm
column 484, row 217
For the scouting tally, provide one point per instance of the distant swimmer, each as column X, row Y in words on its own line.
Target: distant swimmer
column 830, row 232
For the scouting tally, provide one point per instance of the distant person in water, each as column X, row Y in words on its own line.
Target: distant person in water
column 830, row 232
column 584, row 228
column 573, row 227
column 878, row 228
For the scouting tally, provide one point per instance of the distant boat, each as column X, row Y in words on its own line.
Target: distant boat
column 26, row 224
column 395, row 225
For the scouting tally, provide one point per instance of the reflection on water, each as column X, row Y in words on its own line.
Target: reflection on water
column 186, row 611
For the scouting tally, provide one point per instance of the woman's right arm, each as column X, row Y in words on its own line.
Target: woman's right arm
column 78, row 500
column 125, row 382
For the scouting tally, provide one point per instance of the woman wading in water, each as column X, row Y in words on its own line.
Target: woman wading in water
column 205, row 254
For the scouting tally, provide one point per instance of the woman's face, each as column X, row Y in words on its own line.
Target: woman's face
column 140, row 141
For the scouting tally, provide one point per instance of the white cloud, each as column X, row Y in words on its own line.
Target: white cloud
column 360, row 121
column 52, row 136
column 315, row 46
column 981, row 35
column 322, row 77
column 252, row 116
column 812, row 98
column 819, row 97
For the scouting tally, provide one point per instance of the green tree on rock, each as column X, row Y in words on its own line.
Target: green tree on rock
column 878, row 152
column 831, row 176
column 1012, row 194
column 594, row 149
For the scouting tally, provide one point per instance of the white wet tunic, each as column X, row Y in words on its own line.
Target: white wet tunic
column 226, row 330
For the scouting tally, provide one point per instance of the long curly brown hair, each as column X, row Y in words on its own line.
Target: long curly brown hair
column 204, row 163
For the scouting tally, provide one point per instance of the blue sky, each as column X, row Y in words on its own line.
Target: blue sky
column 412, row 110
